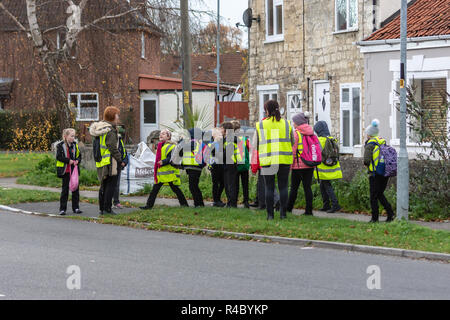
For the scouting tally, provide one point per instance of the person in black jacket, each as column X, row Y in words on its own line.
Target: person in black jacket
column 123, row 152
column 68, row 155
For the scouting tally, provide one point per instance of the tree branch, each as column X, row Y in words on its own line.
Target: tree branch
column 15, row 19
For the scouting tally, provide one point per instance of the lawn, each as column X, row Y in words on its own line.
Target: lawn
column 402, row 235
column 18, row 164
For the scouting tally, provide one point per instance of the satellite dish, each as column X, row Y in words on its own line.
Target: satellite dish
column 248, row 18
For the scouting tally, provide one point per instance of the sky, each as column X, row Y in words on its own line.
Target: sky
column 231, row 11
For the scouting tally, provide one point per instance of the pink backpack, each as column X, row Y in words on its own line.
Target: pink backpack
column 312, row 153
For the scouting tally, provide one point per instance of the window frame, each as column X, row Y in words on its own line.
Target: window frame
column 80, row 101
column 275, row 37
column 348, row 106
column 263, row 90
column 348, row 29
column 143, row 52
column 291, row 94
column 395, row 99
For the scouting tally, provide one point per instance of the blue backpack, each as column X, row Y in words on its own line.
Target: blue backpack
column 387, row 166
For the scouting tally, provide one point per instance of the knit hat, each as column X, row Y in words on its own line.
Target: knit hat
column 373, row 130
column 299, row 119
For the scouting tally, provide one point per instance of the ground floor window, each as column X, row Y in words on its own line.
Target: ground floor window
column 294, row 103
column 350, row 116
column 266, row 93
column 431, row 95
column 86, row 105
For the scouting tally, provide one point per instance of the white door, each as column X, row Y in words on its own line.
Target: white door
column 149, row 115
column 322, row 108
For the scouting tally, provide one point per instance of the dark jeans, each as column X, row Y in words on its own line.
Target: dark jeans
column 106, row 193
column 230, row 174
column 326, row 189
column 304, row 176
column 194, row 180
column 283, row 181
column 217, row 176
column 243, row 176
column 261, row 193
column 152, row 197
column 117, row 189
column 65, row 195
column 377, row 186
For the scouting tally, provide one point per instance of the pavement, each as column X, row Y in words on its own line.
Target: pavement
column 50, row 208
column 41, row 258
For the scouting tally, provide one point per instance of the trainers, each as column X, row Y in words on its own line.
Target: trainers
column 62, row 213
column 78, row 211
column 334, row 209
column 117, row 206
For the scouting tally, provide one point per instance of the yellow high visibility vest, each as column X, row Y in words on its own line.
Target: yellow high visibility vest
column 168, row 173
column 189, row 157
column 275, row 146
column 236, row 153
column 62, row 164
column 105, row 153
column 327, row 172
column 376, row 153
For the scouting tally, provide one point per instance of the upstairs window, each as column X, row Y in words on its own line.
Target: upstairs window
column 274, row 20
column 346, row 15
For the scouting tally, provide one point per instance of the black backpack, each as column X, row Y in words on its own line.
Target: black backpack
column 330, row 152
column 96, row 149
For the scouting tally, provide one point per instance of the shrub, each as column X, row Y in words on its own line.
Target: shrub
column 31, row 130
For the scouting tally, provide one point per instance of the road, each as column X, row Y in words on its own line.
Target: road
column 124, row 263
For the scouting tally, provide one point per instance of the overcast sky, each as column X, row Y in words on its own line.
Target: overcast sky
column 232, row 11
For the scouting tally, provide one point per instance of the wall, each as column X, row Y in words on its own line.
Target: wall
column 379, row 81
column 107, row 64
column 310, row 52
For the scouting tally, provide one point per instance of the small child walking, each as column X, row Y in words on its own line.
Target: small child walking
column 68, row 155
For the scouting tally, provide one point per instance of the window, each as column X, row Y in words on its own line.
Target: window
column 346, row 15
column 350, row 116
column 149, row 111
column 143, row 45
column 294, row 102
column 86, row 105
column 274, row 20
column 266, row 92
column 429, row 94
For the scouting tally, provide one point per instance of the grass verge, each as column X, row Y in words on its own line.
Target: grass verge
column 18, row 164
column 401, row 235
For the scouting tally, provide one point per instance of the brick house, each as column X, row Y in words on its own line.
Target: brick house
column 105, row 71
column 428, row 69
column 303, row 54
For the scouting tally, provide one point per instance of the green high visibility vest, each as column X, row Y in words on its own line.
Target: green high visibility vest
column 62, row 164
column 105, row 153
column 376, row 153
column 275, row 146
column 327, row 172
column 168, row 173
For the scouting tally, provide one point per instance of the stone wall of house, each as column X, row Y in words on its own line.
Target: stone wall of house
column 313, row 52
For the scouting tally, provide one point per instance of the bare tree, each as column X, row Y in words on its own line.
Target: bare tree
column 162, row 13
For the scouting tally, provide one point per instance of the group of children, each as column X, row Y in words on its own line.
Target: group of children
column 226, row 152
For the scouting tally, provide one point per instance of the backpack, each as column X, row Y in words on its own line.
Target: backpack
column 330, row 152
column 96, row 149
column 311, row 155
column 242, row 145
column 387, row 166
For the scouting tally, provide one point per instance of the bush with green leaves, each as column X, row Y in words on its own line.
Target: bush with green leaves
column 44, row 174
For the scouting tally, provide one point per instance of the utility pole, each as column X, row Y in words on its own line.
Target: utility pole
column 218, row 61
column 403, row 165
column 186, row 48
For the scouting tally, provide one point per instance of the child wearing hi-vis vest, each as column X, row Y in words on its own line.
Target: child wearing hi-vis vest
column 68, row 155
column 165, row 173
